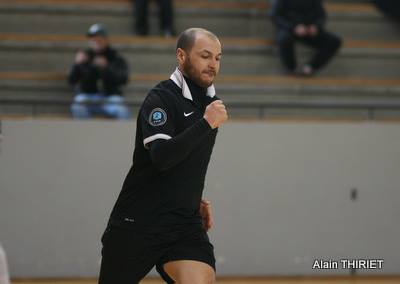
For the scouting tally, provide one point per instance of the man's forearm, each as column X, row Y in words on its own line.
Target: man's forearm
column 166, row 154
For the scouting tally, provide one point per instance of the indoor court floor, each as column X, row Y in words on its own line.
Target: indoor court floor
column 251, row 280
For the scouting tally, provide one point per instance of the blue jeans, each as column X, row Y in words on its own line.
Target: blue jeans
column 88, row 105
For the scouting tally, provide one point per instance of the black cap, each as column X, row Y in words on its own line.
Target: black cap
column 97, row 30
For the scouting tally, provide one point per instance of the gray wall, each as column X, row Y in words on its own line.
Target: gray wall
column 280, row 191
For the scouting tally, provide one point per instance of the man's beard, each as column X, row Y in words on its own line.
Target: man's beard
column 190, row 71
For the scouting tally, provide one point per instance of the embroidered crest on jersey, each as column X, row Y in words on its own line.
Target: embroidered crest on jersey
column 157, row 117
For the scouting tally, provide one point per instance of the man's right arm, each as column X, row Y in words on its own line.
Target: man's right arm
column 74, row 75
column 166, row 154
column 277, row 15
column 319, row 14
column 79, row 68
column 168, row 150
column 117, row 72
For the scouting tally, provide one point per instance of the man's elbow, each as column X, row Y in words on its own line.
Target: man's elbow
column 72, row 81
column 159, row 160
column 122, row 80
column 161, row 165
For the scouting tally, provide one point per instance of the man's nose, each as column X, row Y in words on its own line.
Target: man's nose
column 213, row 64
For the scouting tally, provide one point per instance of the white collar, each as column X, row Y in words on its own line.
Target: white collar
column 180, row 81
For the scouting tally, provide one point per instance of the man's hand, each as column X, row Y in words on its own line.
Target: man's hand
column 300, row 30
column 81, row 57
column 313, row 30
column 216, row 114
column 100, row 61
column 206, row 214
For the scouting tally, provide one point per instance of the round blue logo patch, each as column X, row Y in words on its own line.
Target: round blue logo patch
column 157, row 117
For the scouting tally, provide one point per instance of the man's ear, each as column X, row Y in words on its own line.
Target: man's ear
column 180, row 55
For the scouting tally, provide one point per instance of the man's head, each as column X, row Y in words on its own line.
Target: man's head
column 98, row 37
column 198, row 53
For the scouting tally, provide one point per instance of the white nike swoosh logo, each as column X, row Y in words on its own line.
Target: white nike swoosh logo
column 187, row 114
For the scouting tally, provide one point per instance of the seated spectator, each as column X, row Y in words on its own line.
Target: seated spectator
column 98, row 75
column 303, row 21
column 389, row 7
column 166, row 17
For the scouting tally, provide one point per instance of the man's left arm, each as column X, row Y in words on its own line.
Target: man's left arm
column 117, row 72
column 319, row 15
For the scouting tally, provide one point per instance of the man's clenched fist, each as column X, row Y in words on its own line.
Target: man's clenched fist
column 216, row 114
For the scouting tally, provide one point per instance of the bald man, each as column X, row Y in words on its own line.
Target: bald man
column 160, row 218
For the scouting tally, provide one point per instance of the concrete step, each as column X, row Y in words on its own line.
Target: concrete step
column 157, row 55
column 357, row 21
column 261, row 89
column 177, row 3
column 246, row 96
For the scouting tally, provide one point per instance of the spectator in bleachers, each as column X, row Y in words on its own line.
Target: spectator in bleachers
column 303, row 21
column 389, row 7
column 98, row 75
column 165, row 17
column 4, row 276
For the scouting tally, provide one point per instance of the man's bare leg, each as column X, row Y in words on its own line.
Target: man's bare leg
column 190, row 272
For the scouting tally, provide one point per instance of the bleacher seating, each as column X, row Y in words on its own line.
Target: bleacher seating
column 38, row 39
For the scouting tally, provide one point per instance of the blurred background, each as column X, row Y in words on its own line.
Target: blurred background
column 307, row 168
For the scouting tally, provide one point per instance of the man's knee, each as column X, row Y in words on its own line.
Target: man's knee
column 190, row 272
column 123, row 112
column 332, row 41
column 115, row 107
column 210, row 277
column 336, row 42
column 79, row 110
column 204, row 277
column 117, row 111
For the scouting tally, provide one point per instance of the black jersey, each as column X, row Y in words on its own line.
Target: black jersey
column 152, row 195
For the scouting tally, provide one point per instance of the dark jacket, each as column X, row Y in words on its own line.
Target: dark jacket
column 289, row 13
column 90, row 79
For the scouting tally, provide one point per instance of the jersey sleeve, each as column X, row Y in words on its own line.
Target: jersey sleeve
column 156, row 120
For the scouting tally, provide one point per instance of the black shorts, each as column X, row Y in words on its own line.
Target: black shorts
column 129, row 255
